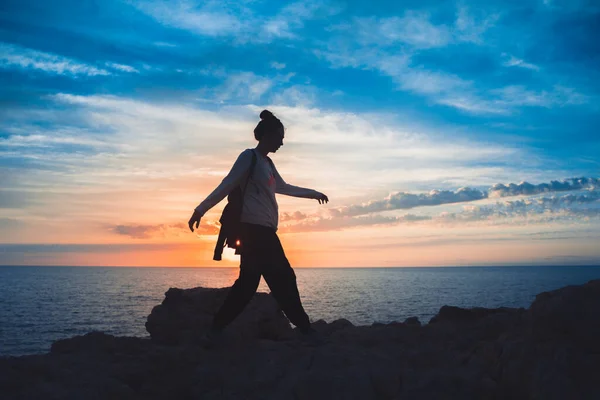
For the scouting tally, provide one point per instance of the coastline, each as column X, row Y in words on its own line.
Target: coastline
column 545, row 351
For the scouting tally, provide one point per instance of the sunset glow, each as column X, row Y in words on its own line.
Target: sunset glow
column 442, row 135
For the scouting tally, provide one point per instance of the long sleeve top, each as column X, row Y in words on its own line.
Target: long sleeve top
column 260, row 206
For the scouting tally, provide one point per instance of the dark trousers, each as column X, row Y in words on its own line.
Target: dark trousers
column 262, row 254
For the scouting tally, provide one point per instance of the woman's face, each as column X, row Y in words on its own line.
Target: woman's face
column 274, row 140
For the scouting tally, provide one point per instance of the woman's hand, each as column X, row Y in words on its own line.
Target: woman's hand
column 194, row 219
column 321, row 198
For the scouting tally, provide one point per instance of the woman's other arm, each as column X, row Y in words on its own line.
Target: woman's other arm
column 282, row 187
column 237, row 173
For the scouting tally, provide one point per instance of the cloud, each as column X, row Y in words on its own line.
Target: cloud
column 512, row 61
column 516, row 95
column 160, row 156
column 245, row 86
column 339, row 223
column 12, row 56
column 162, row 230
column 577, row 6
column 29, row 248
column 164, row 44
column 295, row 216
column 572, row 208
column 137, row 129
column 277, row 65
column 13, row 198
column 32, row 137
column 292, row 18
column 393, row 46
column 10, row 223
column 403, row 201
column 449, row 89
column 122, row 67
column 507, row 99
column 525, row 188
column 472, row 104
column 296, row 95
column 341, row 217
column 470, row 28
column 235, row 19
column 570, row 199
column 568, row 205
column 414, row 29
column 430, row 83
column 442, row 87
column 142, row 157
column 210, row 19
column 439, row 86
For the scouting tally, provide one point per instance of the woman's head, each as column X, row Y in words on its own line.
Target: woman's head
column 269, row 131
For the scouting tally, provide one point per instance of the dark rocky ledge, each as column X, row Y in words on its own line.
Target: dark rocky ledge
column 549, row 351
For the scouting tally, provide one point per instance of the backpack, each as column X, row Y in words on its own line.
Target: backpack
column 229, row 234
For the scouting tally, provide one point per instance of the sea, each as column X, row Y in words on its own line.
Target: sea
column 39, row 305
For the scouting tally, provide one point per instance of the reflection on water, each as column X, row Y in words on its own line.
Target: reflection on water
column 41, row 304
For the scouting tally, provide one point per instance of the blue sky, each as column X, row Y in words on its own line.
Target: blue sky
column 121, row 115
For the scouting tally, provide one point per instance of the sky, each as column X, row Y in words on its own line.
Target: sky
column 444, row 133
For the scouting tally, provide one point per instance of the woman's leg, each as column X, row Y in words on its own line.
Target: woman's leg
column 280, row 277
column 238, row 297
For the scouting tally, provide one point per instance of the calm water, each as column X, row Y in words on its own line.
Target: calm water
column 41, row 304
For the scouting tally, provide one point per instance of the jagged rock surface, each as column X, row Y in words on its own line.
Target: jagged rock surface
column 549, row 351
column 185, row 315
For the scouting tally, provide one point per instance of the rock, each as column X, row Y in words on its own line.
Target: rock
column 564, row 327
column 338, row 325
column 186, row 314
column 570, row 313
column 351, row 382
column 99, row 342
column 386, row 381
column 412, row 321
column 457, row 315
column 319, row 325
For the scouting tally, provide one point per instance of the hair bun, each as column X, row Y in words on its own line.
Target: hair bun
column 266, row 114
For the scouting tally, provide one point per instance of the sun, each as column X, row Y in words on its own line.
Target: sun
column 229, row 254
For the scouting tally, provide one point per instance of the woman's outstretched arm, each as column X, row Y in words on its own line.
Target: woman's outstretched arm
column 282, row 187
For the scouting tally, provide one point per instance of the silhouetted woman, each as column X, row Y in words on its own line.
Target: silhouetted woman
column 262, row 253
